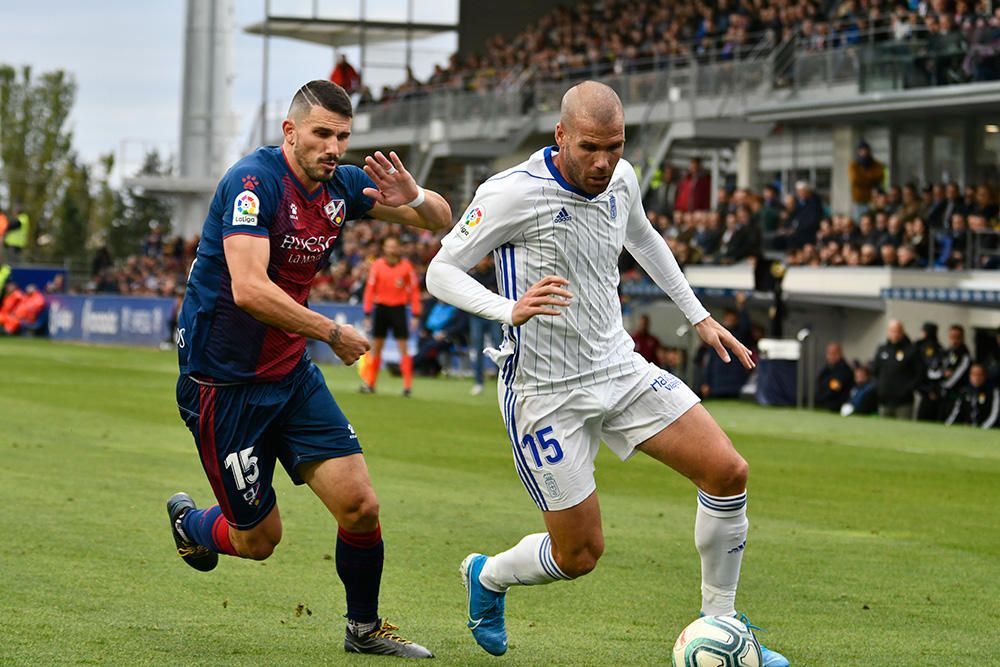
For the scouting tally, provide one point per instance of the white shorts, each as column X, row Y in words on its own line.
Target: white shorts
column 555, row 437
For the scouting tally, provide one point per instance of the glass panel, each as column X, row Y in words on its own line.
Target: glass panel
column 946, row 153
column 909, row 164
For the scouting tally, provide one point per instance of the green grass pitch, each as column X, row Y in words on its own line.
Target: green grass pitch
column 872, row 542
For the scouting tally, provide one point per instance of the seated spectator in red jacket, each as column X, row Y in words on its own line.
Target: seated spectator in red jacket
column 645, row 342
column 25, row 312
column 12, row 295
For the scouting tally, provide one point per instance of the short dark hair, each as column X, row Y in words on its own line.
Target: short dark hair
column 322, row 93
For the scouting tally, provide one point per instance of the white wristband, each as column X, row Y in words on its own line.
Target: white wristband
column 419, row 199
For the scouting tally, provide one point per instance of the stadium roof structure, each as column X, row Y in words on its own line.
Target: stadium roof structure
column 345, row 32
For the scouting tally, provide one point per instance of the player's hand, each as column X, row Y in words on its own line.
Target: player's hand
column 366, row 323
column 545, row 297
column 396, row 186
column 349, row 345
column 718, row 337
column 414, row 323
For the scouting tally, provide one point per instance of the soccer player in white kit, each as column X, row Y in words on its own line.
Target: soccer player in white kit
column 569, row 377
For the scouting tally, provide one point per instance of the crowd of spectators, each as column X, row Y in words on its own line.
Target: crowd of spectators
column 920, row 379
column 937, row 42
column 938, row 226
column 905, row 379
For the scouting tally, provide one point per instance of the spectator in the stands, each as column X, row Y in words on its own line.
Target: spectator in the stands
column 722, row 380
column 835, row 381
column 888, row 255
column 769, row 213
column 897, row 372
column 864, row 173
column 740, row 240
column 645, row 342
column 910, row 206
column 931, row 354
column 957, row 360
column 932, row 210
column 863, row 398
column 694, row 191
column 978, row 402
column 984, row 203
column 907, row 258
column 345, row 76
column 25, row 311
column 953, row 204
column 808, row 213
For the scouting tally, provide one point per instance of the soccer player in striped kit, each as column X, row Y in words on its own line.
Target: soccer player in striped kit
column 392, row 282
column 556, row 225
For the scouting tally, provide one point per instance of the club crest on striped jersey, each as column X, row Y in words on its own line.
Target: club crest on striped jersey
column 246, row 206
column 336, row 210
column 474, row 216
column 613, row 203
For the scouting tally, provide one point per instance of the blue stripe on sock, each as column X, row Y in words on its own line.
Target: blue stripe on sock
column 722, row 504
column 543, row 549
column 553, row 567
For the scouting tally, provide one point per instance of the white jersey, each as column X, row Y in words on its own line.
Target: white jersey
column 538, row 224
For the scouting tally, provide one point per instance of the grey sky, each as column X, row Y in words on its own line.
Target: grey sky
column 127, row 58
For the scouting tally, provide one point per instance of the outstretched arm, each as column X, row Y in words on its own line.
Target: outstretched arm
column 399, row 199
column 653, row 255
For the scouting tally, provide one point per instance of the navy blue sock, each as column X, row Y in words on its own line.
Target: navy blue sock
column 208, row 528
column 359, row 564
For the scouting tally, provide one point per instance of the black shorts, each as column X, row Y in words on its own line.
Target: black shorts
column 390, row 318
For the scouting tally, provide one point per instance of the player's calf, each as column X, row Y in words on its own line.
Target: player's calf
column 255, row 545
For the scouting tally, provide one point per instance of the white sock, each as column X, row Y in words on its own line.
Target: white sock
column 528, row 563
column 720, row 533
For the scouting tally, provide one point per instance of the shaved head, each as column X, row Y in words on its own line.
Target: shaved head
column 590, row 135
column 591, row 101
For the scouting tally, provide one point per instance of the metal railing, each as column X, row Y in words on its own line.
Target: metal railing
column 883, row 57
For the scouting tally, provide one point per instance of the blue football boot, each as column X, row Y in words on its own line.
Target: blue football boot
column 485, row 608
column 769, row 658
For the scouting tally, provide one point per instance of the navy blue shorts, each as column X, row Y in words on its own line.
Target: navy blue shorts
column 242, row 429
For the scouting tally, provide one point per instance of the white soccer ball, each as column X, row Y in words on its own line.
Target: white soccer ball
column 716, row 641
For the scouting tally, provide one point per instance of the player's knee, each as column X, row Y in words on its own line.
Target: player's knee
column 360, row 515
column 581, row 561
column 730, row 477
column 258, row 547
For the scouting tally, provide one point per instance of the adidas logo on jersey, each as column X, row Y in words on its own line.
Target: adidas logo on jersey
column 563, row 216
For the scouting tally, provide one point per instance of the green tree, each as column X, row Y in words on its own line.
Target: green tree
column 137, row 211
column 71, row 220
column 34, row 141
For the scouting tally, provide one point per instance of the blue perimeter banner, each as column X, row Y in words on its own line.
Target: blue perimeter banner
column 110, row 320
column 122, row 320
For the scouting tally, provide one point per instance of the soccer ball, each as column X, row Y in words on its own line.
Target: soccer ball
column 716, row 641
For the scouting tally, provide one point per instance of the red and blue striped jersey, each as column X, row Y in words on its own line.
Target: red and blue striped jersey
column 261, row 196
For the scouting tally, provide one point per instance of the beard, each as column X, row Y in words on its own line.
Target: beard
column 315, row 169
column 578, row 176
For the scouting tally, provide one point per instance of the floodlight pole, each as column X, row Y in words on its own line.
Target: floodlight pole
column 266, row 68
column 409, row 36
column 362, row 13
